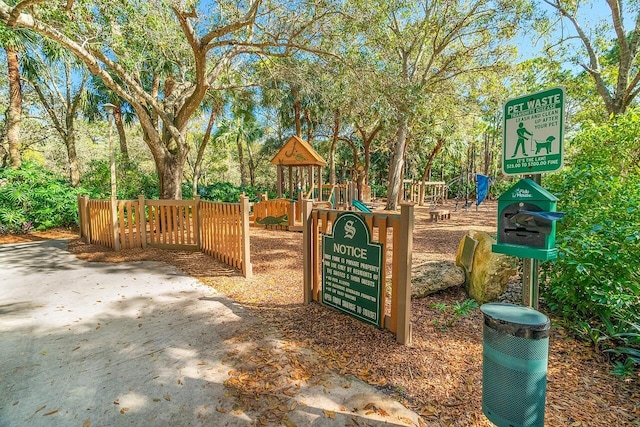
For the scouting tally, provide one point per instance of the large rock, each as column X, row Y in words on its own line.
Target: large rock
column 435, row 276
column 490, row 272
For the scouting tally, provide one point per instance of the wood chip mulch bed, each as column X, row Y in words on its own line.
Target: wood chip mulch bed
column 439, row 375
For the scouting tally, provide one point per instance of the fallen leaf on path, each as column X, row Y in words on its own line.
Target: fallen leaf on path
column 329, row 414
column 429, row 410
column 123, row 410
column 86, row 423
column 50, row 413
column 167, row 397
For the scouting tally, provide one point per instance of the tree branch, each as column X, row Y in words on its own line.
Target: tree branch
column 17, row 10
column 246, row 20
column 594, row 66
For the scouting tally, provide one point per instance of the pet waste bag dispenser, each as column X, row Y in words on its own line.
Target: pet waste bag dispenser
column 526, row 222
column 514, row 365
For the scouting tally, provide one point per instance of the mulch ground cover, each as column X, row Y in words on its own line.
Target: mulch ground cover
column 439, row 375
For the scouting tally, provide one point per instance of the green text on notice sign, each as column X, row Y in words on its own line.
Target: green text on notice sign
column 351, row 263
column 533, row 132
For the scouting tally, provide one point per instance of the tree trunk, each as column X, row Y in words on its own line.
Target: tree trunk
column 252, row 166
column 307, row 116
column 170, row 171
column 427, row 169
column 117, row 118
column 74, row 170
column 296, row 111
column 487, row 153
column 197, row 169
column 332, row 150
column 4, row 156
column 14, row 113
column 397, row 163
column 243, row 167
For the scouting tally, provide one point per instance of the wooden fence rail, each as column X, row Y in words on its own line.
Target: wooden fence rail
column 220, row 230
column 417, row 192
column 273, row 208
column 396, row 312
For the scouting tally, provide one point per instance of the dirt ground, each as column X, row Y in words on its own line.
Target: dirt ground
column 439, row 375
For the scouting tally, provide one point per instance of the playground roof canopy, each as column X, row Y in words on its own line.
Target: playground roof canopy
column 297, row 152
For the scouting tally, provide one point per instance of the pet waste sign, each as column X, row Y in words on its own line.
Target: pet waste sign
column 533, row 132
column 351, row 263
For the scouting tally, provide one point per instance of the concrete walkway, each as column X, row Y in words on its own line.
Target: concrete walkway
column 133, row 344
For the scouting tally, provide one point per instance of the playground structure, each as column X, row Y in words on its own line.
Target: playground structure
column 433, row 191
column 299, row 177
column 304, row 166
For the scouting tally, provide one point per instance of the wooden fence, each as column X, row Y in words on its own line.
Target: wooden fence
column 417, row 192
column 273, row 208
column 396, row 312
column 225, row 233
column 220, row 230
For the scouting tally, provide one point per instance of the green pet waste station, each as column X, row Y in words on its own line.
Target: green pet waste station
column 527, row 222
column 514, row 365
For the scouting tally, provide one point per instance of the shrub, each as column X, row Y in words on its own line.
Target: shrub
column 596, row 275
column 31, row 197
column 227, row 192
column 131, row 181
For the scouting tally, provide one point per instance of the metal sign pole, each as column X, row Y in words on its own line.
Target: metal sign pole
column 530, row 273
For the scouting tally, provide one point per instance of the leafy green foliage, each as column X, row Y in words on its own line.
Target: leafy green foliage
column 378, row 190
column 131, row 181
column 227, row 192
column 595, row 282
column 31, row 197
column 457, row 310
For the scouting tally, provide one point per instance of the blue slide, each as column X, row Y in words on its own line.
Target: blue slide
column 360, row 206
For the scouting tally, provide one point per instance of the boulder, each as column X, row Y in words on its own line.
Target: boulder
column 489, row 273
column 434, row 276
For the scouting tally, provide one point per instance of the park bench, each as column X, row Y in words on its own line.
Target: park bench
column 438, row 214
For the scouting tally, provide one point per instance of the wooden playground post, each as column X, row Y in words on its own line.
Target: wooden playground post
column 290, row 182
column 292, row 213
column 319, row 183
column 279, row 169
column 405, row 249
column 307, row 250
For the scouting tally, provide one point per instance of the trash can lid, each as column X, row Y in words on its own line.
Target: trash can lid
column 516, row 320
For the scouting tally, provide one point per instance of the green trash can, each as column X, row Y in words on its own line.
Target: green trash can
column 515, row 351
